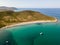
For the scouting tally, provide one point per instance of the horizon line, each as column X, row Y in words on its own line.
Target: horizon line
column 29, row 7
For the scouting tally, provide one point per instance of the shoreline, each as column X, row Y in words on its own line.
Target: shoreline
column 24, row 23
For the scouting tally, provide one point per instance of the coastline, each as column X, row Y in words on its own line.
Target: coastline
column 24, row 23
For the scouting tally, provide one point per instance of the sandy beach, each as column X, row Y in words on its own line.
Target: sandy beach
column 23, row 23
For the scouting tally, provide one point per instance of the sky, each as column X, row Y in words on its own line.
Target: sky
column 31, row 3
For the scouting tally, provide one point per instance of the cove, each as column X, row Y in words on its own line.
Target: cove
column 31, row 34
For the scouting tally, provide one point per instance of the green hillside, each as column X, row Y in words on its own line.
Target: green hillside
column 11, row 17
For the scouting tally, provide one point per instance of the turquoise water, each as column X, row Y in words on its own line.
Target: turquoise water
column 30, row 34
column 33, row 34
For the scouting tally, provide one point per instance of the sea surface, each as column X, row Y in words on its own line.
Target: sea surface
column 34, row 34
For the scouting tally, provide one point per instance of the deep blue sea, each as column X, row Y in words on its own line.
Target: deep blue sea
column 33, row 34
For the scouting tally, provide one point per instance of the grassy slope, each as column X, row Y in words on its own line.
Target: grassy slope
column 10, row 17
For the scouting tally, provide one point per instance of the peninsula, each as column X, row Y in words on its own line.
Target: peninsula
column 10, row 17
column 4, row 8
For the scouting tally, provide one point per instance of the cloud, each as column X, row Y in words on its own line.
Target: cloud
column 31, row 3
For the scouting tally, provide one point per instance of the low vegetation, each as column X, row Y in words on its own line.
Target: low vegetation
column 11, row 17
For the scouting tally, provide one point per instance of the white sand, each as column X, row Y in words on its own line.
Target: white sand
column 23, row 23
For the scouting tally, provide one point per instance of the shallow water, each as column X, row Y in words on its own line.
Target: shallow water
column 30, row 34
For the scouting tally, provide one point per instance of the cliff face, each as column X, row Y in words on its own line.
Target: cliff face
column 11, row 17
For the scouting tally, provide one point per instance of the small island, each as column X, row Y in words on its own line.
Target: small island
column 23, row 17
